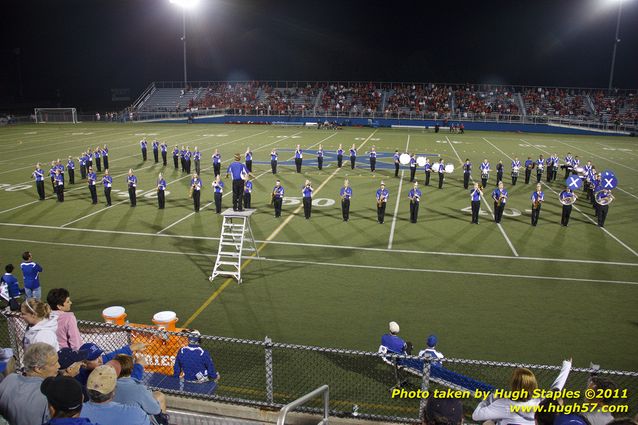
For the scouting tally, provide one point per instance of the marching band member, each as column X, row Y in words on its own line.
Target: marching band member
column 412, row 167
column 441, row 173
column 164, row 149
column 540, row 166
column 499, row 171
column 500, row 199
column 567, row 198
column 298, row 158
column 603, row 199
column 248, row 190
column 475, row 199
column 218, row 189
column 467, row 172
column 155, row 146
column 97, row 154
column 273, row 161
column 382, row 199
column 576, row 164
column 320, row 157
column 516, row 166
column 196, row 191
column 595, row 187
column 555, row 165
column 52, row 175
column 59, row 185
column 568, row 164
column 428, row 170
column 70, row 165
column 588, row 177
column 89, row 158
column 548, row 168
column 197, row 158
column 353, row 156
column 537, row 200
column 306, row 193
column 143, row 144
column 187, row 160
column 415, row 198
column 239, row 172
column 397, row 163
column 217, row 162
column 248, row 157
column 82, row 161
column 60, row 166
column 107, row 182
column 131, row 181
column 38, row 175
column 182, row 158
column 161, row 191
column 105, row 157
column 346, row 194
column 339, row 156
column 485, row 172
column 91, row 180
column 373, row 159
column 277, row 197
column 176, row 157
column 529, row 164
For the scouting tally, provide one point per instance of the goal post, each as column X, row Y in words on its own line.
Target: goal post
column 56, row 115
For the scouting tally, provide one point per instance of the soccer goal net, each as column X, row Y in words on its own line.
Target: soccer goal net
column 56, row 115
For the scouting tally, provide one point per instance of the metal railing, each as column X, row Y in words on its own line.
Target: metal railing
column 271, row 375
column 322, row 390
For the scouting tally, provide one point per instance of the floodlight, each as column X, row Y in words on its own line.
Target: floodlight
column 186, row 4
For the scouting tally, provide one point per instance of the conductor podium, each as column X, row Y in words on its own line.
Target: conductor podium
column 236, row 232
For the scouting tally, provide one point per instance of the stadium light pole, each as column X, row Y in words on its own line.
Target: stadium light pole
column 185, row 5
column 616, row 41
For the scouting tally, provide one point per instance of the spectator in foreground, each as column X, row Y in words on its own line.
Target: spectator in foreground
column 71, row 361
column 31, row 274
column 393, row 342
column 65, row 399
column 13, row 288
column 500, row 411
column 442, row 411
column 195, row 366
column 96, row 358
column 101, row 408
column 547, row 417
column 41, row 327
column 131, row 391
column 21, row 401
column 68, row 332
column 7, row 362
column 600, row 385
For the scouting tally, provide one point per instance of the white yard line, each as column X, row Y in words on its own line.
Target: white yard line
column 507, row 239
column 396, row 207
column 576, row 148
column 327, row 264
column 328, row 246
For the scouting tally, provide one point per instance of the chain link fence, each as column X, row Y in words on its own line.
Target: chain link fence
column 269, row 374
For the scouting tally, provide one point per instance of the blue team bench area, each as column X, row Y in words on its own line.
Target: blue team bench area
column 169, row 384
column 438, row 373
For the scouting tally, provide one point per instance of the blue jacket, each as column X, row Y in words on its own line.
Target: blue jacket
column 195, row 362
column 31, row 273
column 137, row 372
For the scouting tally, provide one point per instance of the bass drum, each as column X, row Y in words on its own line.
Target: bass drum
column 435, row 167
column 449, row 168
column 420, row 161
column 404, row 159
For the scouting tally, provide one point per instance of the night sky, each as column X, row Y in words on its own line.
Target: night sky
column 82, row 49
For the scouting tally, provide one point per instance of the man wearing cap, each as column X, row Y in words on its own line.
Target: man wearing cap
column 21, row 402
column 393, row 342
column 195, row 366
column 65, row 398
column 101, row 408
column 71, row 361
column 443, row 411
column 382, row 199
column 96, row 358
column 239, row 172
column 430, row 350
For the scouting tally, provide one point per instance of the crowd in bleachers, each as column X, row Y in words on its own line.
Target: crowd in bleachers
column 555, row 102
column 615, row 107
column 418, row 99
column 472, row 101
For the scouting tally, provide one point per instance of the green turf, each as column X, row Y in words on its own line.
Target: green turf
column 303, row 293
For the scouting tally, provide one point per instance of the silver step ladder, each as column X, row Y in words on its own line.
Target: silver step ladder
column 236, row 231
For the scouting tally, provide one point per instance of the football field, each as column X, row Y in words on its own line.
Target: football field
column 508, row 292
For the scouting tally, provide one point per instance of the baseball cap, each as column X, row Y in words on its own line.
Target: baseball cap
column 432, row 340
column 6, row 354
column 102, row 379
column 444, row 410
column 93, row 351
column 63, row 392
column 394, row 327
column 68, row 356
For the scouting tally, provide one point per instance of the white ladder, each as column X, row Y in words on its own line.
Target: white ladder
column 235, row 230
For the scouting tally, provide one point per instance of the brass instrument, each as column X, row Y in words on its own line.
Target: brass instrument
column 500, row 200
column 605, row 201
column 190, row 191
column 570, row 200
column 380, row 201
